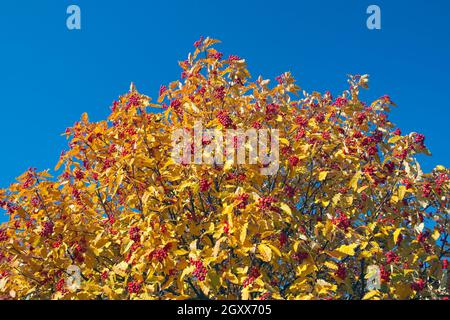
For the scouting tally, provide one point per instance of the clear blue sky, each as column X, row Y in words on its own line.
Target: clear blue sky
column 49, row 75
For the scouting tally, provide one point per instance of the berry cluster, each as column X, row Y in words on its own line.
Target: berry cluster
column 340, row 102
column 79, row 248
column 35, row 202
column 133, row 100
column 79, row 175
column 341, row 272
column 176, row 106
column 199, row 42
column 301, row 121
column 293, row 161
column 279, row 79
column 360, row 118
column 225, row 119
column 418, row 285
column 254, row 273
column 257, row 125
column 135, row 234
column 226, row 228
column 397, row 132
column 420, row 140
column 216, row 55
column 426, row 190
column 160, row 254
column 385, row 274
column 219, row 93
column 392, row 257
column 162, row 89
column 290, row 191
column 320, row 117
column 30, row 178
column 422, row 236
column 134, row 287
column 300, row 256
column 283, row 238
column 104, row 275
column 60, row 285
column 265, row 296
column 399, row 239
column 233, row 57
column 205, row 185
column 326, row 135
column 342, row 221
column 200, row 270
column 390, row 166
column 3, row 235
column 243, row 200
column 265, row 203
column 272, row 109
column 47, row 229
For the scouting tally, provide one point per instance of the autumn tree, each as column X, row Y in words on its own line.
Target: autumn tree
column 348, row 194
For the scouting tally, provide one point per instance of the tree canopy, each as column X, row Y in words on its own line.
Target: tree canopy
column 348, row 194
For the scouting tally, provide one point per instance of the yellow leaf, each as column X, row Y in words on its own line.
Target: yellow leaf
column 401, row 192
column 394, row 199
column 397, row 234
column 85, row 118
column 121, row 268
column 331, row 265
column 362, row 189
column 285, row 208
column 180, row 252
column 186, row 271
column 228, row 165
column 243, row 233
column 205, row 289
column 265, row 251
column 436, row 235
column 324, row 287
column 245, row 293
column 323, row 175
column 349, row 200
column 228, row 211
column 354, row 180
column 305, row 269
column 394, row 139
column 275, row 249
column 371, row 294
column 119, row 179
column 3, row 283
column 403, row 290
column 193, row 245
column 328, row 229
column 336, row 198
column 347, row 249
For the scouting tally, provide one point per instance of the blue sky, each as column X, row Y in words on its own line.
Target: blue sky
column 50, row 75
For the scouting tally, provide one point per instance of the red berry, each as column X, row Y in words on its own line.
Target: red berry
column 204, row 185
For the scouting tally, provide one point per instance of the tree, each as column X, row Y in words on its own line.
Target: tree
column 348, row 194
